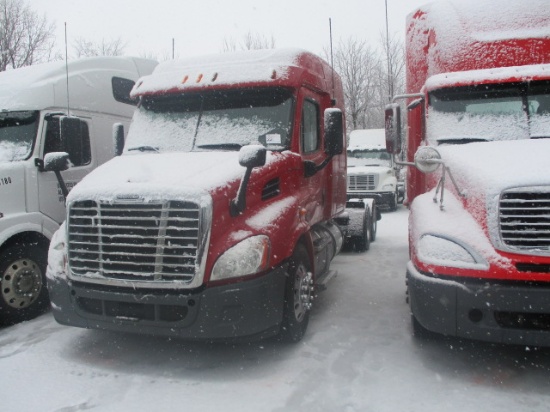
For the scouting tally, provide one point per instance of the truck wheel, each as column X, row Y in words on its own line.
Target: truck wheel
column 362, row 242
column 24, row 294
column 393, row 203
column 299, row 293
column 373, row 222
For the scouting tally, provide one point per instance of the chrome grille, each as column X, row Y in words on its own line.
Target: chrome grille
column 134, row 241
column 524, row 219
column 362, row 182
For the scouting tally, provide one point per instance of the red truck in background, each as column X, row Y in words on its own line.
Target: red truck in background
column 221, row 217
column 478, row 183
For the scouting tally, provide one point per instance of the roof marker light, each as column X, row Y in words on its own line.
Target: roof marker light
column 274, row 74
column 214, row 77
column 199, row 78
column 185, row 79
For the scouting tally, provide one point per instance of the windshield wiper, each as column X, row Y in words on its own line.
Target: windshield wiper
column 221, row 146
column 460, row 140
column 144, row 149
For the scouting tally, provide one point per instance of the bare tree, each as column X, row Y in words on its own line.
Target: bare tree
column 394, row 56
column 87, row 48
column 250, row 41
column 358, row 65
column 25, row 37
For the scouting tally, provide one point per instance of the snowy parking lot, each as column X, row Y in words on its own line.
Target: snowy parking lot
column 358, row 355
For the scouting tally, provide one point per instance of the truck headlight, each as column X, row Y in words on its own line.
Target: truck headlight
column 57, row 255
column 445, row 251
column 247, row 257
column 390, row 187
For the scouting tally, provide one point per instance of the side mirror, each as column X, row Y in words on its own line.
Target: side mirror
column 56, row 161
column 334, row 132
column 427, row 159
column 118, row 138
column 71, row 134
column 252, row 156
column 393, row 128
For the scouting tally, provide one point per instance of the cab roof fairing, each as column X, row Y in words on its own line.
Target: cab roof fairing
column 488, row 76
column 274, row 67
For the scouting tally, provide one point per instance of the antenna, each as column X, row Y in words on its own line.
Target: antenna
column 390, row 74
column 67, row 70
column 333, row 101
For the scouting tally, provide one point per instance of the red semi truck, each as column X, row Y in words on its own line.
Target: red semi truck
column 478, row 184
column 223, row 213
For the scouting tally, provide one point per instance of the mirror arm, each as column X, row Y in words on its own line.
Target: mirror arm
column 310, row 168
column 237, row 205
column 441, row 185
column 62, row 184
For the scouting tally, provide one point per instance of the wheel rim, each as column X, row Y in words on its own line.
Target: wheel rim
column 21, row 283
column 303, row 292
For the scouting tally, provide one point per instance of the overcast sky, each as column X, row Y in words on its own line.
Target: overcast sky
column 201, row 26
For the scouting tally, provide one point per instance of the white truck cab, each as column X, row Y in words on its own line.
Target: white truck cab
column 38, row 117
column 371, row 172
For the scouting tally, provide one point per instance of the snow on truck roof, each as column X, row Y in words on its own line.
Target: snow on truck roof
column 44, row 86
column 461, row 35
column 498, row 74
column 488, row 20
column 270, row 66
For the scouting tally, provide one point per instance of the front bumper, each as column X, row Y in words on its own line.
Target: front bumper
column 252, row 308
column 502, row 312
column 382, row 198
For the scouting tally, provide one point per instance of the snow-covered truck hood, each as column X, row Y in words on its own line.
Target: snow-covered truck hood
column 155, row 176
column 490, row 167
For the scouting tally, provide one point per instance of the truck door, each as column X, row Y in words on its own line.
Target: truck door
column 314, row 187
column 77, row 145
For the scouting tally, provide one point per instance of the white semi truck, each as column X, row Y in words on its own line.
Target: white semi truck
column 371, row 173
column 40, row 119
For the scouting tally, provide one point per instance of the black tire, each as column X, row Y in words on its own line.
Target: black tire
column 362, row 242
column 373, row 222
column 393, row 203
column 299, row 293
column 23, row 293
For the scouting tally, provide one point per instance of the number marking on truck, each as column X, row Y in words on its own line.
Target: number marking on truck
column 5, row 181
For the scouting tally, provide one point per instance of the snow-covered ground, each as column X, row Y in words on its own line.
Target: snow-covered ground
column 358, row 355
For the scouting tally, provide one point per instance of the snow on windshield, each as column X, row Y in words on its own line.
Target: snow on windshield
column 17, row 134
column 213, row 120
column 11, row 152
column 467, row 126
column 490, row 112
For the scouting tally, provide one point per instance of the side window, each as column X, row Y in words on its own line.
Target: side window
column 77, row 144
column 310, row 127
column 121, row 90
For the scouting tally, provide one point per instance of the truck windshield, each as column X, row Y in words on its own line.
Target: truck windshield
column 17, row 134
column 213, row 120
column 489, row 112
column 359, row 157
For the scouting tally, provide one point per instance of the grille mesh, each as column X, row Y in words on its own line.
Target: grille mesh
column 134, row 241
column 524, row 218
column 363, row 182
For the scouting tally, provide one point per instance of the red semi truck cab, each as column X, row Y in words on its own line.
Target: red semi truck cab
column 478, row 94
column 217, row 221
